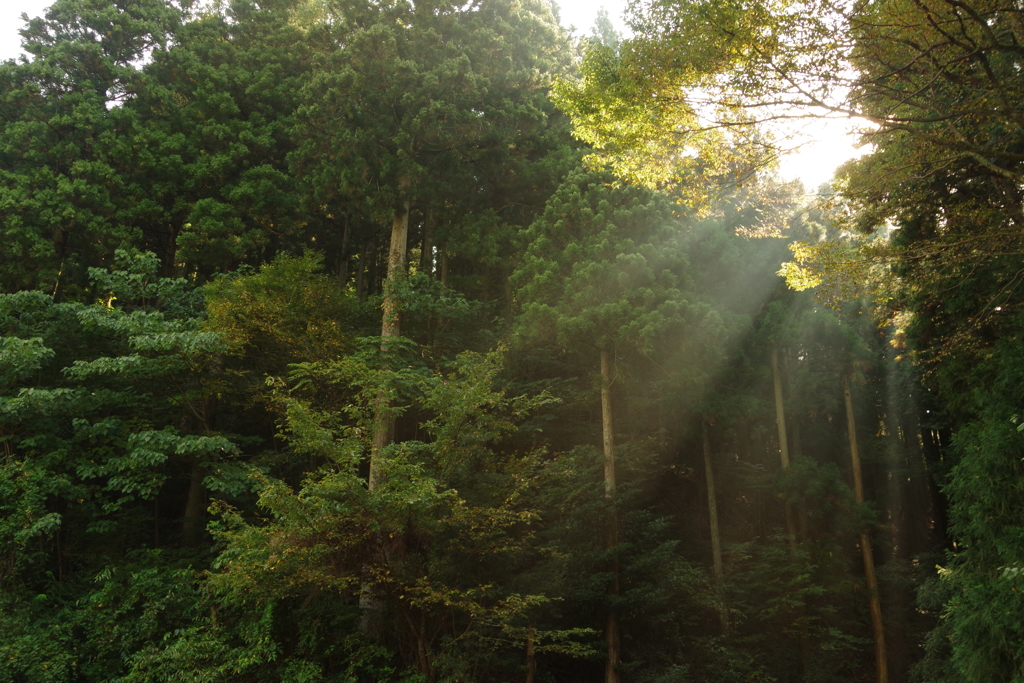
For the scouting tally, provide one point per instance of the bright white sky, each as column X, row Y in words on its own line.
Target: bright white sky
column 10, row 22
column 827, row 146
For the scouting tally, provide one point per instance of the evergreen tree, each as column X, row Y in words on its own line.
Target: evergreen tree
column 601, row 273
column 64, row 129
column 211, row 132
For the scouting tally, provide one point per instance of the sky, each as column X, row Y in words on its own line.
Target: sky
column 581, row 14
column 825, row 148
column 10, row 22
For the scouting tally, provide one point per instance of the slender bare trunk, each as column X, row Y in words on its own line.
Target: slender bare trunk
column 607, row 429
column 611, row 632
column 391, row 323
column 343, row 256
column 780, row 420
column 361, row 270
column 780, row 410
column 427, row 246
column 383, row 420
column 170, row 249
column 716, row 539
column 56, row 282
column 422, row 650
column 877, row 627
column 791, row 531
column 391, row 327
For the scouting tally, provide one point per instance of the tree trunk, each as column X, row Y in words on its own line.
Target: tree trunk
column 791, row 531
column 361, row 272
column 56, row 282
column 391, row 324
column 343, row 255
column 445, row 268
column 169, row 245
column 877, row 627
column 427, row 247
column 607, row 430
column 780, row 420
column 383, row 420
column 716, row 540
column 611, row 632
column 531, row 655
column 780, row 410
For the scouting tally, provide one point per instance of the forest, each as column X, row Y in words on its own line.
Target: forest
column 352, row 341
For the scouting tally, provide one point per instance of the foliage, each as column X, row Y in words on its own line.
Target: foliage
column 63, row 145
column 601, row 269
column 194, row 270
column 431, row 553
column 981, row 617
column 287, row 310
column 211, row 132
column 106, row 404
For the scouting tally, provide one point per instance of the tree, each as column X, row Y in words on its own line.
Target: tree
column 211, row 130
column 147, row 124
column 943, row 174
column 417, row 97
column 982, row 610
column 110, row 449
column 601, row 272
column 459, row 502
column 940, row 75
column 877, row 626
column 63, row 131
column 632, row 115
